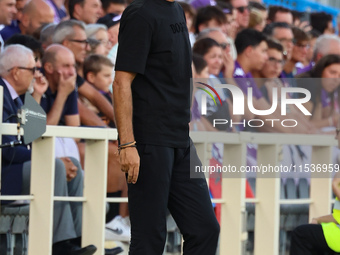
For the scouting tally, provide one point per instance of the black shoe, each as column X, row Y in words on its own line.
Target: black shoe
column 113, row 251
column 68, row 248
column 76, row 241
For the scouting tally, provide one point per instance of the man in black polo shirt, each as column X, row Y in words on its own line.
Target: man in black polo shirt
column 152, row 108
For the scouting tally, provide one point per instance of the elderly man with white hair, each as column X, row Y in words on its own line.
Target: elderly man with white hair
column 17, row 69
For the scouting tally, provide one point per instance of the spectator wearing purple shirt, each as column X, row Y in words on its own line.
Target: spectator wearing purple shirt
column 323, row 91
column 307, row 68
column 252, row 54
column 251, row 49
column 59, row 10
column 245, row 80
column 325, row 45
column 299, row 52
column 308, row 63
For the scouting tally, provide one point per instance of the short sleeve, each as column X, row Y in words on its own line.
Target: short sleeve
column 79, row 81
column 134, row 40
column 71, row 104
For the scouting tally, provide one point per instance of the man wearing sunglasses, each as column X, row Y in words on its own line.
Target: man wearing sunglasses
column 242, row 10
column 17, row 67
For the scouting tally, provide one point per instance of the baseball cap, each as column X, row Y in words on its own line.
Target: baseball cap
column 110, row 19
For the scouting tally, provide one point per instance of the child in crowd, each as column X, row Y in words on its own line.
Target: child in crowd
column 98, row 72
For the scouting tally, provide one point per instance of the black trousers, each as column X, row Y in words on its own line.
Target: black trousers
column 164, row 182
column 309, row 239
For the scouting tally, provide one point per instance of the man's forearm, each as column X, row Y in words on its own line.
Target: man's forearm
column 326, row 219
column 37, row 97
column 53, row 117
column 123, row 111
column 88, row 117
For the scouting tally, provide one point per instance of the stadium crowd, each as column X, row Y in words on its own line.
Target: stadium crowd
column 64, row 52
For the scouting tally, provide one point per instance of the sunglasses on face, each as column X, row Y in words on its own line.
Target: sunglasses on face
column 32, row 69
column 241, row 9
column 86, row 42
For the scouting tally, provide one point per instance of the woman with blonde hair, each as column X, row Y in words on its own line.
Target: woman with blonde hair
column 256, row 20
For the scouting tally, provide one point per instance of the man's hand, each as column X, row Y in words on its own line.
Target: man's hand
column 129, row 161
column 229, row 64
column 71, row 169
column 40, row 83
column 122, row 99
column 304, row 25
column 66, row 84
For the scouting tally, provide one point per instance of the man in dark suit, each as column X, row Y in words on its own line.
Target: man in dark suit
column 17, row 69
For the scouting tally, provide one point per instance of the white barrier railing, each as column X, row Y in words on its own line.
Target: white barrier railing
column 42, row 185
column 266, row 239
column 233, row 189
